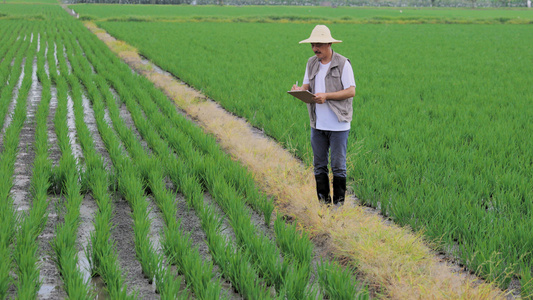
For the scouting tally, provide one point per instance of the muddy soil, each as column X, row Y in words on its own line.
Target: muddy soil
column 191, row 224
column 13, row 103
column 72, row 133
column 128, row 120
column 54, row 152
column 26, row 152
column 22, row 173
column 157, row 224
column 88, row 210
column 90, row 121
column 123, row 235
column 52, row 285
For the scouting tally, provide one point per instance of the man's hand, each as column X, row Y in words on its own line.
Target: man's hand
column 320, row 98
column 304, row 87
column 296, row 88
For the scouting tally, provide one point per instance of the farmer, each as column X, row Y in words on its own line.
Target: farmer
column 329, row 76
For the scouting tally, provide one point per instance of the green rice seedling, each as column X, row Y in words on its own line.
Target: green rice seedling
column 7, row 92
column 526, row 280
column 7, row 219
column 131, row 188
column 101, row 253
column 25, row 258
column 166, row 282
column 169, row 286
column 12, row 50
column 239, row 268
column 7, row 161
column 128, row 185
column 198, row 273
column 164, row 198
column 293, row 243
column 9, row 50
column 229, row 259
column 297, row 285
column 61, row 172
column 26, row 249
column 235, row 264
column 338, row 283
column 64, row 243
column 262, row 251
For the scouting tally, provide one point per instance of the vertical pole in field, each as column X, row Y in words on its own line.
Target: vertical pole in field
column 528, row 3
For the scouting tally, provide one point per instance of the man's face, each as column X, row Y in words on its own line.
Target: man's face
column 321, row 50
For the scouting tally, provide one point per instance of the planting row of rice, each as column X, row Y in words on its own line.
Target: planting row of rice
column 439, row 140
column 23, row 255
column 121, row 140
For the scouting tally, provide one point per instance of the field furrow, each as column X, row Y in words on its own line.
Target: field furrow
column 51, row 282
column 26, row 153
column 125, row 243
column 90, row 121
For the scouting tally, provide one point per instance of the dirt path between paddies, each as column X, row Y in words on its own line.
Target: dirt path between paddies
column 392, row 260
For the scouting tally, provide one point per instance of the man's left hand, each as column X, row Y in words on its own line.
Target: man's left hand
column 320, row 98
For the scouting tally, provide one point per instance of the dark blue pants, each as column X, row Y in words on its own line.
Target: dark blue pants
column 322, row 142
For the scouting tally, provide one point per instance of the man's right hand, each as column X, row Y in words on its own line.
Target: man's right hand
column 296, row 88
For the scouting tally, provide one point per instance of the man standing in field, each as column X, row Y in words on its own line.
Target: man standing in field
column 329, row 76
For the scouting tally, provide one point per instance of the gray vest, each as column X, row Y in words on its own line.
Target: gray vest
column 342, row 108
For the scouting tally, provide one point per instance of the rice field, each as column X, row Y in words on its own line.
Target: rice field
column 442, row 116
column 108, row 191
column 301, row 14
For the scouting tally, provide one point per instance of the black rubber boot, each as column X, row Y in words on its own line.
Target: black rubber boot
column 322, row 188
column 339, row 190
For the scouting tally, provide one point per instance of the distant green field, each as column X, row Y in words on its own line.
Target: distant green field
column 300, row 13
column 16, row 9
column 29, row 2
column 440, row 139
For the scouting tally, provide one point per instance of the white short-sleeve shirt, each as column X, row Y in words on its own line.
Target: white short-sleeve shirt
column 325, row 117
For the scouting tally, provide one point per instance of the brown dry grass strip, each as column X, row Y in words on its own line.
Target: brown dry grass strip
column 391, row 258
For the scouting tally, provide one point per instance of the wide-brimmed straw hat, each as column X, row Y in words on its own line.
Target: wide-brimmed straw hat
column 321, row 34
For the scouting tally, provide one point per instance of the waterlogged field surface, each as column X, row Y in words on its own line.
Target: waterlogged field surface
column 107, row 191
column 440, row 139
